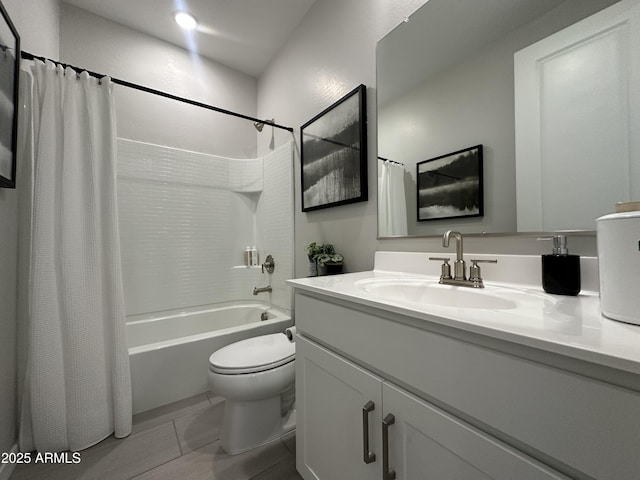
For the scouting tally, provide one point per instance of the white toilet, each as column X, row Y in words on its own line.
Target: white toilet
column 256, row 379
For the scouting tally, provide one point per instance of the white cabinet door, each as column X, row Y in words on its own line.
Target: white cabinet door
column 330, row 395
column 426, row 443
column 577, row 123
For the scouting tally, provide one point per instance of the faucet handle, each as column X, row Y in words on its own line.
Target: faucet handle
column 269, row 264
column 474, row 271
column 476, row 262
column 445, row 270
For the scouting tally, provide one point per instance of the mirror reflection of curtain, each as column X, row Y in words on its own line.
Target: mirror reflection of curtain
column 392, row 207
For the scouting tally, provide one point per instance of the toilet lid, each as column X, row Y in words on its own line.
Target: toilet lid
column 252, row 355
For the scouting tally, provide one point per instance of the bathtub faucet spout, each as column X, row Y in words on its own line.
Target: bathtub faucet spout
column 257, row 290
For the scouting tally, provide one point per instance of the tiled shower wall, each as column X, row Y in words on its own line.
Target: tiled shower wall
column 275, row 221
column 186, row 218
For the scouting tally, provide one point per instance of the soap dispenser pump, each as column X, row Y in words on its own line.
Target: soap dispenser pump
column 560, row 270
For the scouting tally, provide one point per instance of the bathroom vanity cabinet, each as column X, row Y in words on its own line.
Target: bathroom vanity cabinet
column 382, row 394
column 335, row 439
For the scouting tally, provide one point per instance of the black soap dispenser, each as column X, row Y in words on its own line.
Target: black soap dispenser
column 561, row 271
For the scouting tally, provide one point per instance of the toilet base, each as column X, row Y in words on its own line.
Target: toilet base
column 255, row 423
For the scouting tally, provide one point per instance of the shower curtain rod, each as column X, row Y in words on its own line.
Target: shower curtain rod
column 30, row 56
column 390, row 161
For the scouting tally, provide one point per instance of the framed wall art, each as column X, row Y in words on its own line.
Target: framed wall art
column 334, row 154
column 9, row 72
column 450, row 186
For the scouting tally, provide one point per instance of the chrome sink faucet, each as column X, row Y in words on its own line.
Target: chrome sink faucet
column 460, row 277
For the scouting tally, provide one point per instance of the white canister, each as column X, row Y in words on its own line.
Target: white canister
column 619, row 264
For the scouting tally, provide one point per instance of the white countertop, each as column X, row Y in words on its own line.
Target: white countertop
column 569, row 326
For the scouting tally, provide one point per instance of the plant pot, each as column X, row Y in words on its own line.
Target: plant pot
column 333, row 268
column 313, row 269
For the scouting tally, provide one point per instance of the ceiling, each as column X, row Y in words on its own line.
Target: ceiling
column 242, row 34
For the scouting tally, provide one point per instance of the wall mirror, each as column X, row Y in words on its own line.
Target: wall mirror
column 447, row 81
column 9, row 81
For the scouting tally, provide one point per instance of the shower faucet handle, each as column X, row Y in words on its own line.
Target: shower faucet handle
column 269, row 264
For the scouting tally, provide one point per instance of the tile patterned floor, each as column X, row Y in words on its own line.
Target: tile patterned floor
column 177, row 441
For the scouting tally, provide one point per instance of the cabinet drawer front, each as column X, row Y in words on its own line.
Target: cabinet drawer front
column 585, row 424
column 427, row 443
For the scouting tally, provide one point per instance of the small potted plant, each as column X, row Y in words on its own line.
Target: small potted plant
column 313, row 251
column 323, row 259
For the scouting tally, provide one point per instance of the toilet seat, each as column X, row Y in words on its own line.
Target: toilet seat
column 253, row 355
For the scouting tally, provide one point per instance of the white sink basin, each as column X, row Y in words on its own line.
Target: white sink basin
column 424, row 291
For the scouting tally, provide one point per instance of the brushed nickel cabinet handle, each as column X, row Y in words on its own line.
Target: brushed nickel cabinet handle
column 387, row 473
column 367, row 455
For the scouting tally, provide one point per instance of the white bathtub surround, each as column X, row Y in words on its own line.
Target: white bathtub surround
column 169, row 352
column 187, row 217
column 77, row 383
column 274, row 222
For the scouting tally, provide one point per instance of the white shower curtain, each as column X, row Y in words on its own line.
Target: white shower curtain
column 392, row 203
column 77, row 388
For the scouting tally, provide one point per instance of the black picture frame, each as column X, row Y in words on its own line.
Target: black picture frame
column 9, row 82
column 333, row 152
column 451, row 185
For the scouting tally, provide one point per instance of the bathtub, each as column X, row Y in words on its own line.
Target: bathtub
column 169, row 352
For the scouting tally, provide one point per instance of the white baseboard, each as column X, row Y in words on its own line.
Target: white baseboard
column 6, row 469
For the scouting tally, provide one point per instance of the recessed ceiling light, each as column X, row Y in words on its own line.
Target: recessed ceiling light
column 185, row 20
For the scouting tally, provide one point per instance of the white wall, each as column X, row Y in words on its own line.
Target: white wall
column 331, row 52
column 92, row 42
column 38, row 27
